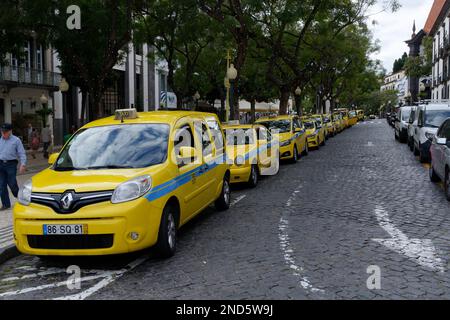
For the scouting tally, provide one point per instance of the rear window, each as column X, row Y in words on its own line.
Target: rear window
column 405, row 114
column 239, row 137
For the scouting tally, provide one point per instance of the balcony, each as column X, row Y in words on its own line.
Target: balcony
column 25, row 77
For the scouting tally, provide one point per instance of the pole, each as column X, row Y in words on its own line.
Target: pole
column 227, row 86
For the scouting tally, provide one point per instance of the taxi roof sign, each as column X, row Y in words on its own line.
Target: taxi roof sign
column 122, row 114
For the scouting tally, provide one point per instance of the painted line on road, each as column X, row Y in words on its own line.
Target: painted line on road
column 421, row 251
column 237, row 200
column 288, row 252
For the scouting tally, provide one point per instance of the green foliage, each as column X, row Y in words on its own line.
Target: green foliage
column 399, row 64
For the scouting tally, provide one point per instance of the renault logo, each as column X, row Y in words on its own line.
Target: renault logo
column 67, row 200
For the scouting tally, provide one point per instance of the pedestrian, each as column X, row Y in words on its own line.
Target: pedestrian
column 35, row 142
column 11, row 150
column 46, row 136
column 29, row 135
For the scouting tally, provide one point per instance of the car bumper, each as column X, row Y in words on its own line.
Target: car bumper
column 313, row 142
column 240, row 174
column 286, row 152
column 109, row 227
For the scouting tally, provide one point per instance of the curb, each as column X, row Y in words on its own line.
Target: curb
column 8, row 253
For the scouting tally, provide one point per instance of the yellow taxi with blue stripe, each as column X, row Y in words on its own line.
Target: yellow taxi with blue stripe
column 250, row 148
column 338, row 121
column 315, row 133
column 292, row 135
column 330, row 126
column 345, row 117
column 124, row 183
column 352, row 118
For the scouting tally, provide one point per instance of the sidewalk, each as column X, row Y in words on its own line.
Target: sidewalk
column 34, row 166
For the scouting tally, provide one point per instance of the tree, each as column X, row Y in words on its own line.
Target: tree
column 399, row 64
column 421, row 66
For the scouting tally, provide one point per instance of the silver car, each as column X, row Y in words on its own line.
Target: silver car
column 440, row 157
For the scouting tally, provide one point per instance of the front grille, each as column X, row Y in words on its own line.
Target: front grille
column 76, row 242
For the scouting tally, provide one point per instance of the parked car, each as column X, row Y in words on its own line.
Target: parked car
column 430, row 118
column 412, row 124
column 401, row 124
column 440, row 157
column 372, row 117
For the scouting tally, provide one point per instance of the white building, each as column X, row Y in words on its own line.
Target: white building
column 141, row 84
column 440, row 31
column 397, row 82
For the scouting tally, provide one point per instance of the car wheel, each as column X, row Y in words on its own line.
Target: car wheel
column 323, row 142
column 447, row 185
column 223, row 203
column 167, row 236
column 306, row 151
column 416, row 152
column 295, row 155
column 411, row 144
column 395, row 134
column 433, row 176
column 253, row 179
column 423, row 158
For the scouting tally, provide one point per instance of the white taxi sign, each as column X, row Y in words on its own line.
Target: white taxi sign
column 122, row 114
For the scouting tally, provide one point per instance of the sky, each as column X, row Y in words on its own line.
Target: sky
column 393, row 29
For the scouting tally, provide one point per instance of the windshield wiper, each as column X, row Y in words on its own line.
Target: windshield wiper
column 108, row 167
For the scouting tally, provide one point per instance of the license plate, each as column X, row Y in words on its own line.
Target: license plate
column 65, row 229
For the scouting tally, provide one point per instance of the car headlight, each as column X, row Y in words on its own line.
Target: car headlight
column 24, row 196
column 429, row 135
column 285, row 143
column 132, row 189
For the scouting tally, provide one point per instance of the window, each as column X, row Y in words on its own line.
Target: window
column 183, row 138
column 115, row 147
column 206, row 141
column 217, row 135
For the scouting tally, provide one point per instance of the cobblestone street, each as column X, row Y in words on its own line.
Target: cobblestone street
column 311, row 232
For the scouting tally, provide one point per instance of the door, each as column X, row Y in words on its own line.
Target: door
column 187, row 170
column 264, row 147
column 444, row 149
column 299, row 136
column 207, row 178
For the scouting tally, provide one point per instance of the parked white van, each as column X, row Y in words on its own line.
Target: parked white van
column 412, row 124
column 401, row 124
column 430, row 118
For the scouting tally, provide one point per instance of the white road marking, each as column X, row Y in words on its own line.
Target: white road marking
column 109, row 277
column 288, row 252
column 421, row 251
column 370, row 144
column 237, row 200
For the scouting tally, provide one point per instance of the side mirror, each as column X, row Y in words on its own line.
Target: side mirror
column 187, row 153
column 52, row 158
column 441, row 141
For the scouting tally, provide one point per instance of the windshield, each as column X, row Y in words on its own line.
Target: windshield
column 115, row 147
column 405, row 114
column 352, row 113
column 326, row 120
column 434, row 119
column 282, row 125
column 239, row 137
column 309, row 125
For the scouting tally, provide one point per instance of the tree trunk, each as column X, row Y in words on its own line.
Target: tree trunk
column 253, row 111
column 284, row 100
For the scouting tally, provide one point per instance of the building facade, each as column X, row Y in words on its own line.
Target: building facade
column 440, row 31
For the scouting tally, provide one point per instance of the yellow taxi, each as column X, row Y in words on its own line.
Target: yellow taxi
column 330, row 126
column 250, row 149
column 360, row 115
column 320, row 119
column 124, row 183
column 315, row 133
column 338, row 122
column 292, row 135
column 345, row 117
column 352, row 118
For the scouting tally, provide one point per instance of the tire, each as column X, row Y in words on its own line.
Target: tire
column 167, row 236
column 415, row 151
column 411, row 144
column 223, row 202
column 306, row 151
column 395, row 134
column 447, row 185
column 433, row 176
column 253, row 179
column 295, row 155
column 323, row 142
column 423, row 158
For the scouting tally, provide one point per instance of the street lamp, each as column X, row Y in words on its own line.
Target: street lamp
column 64, row 87
column 196, row 98
column 232, row 74
column 298, row 93
column 44, row 99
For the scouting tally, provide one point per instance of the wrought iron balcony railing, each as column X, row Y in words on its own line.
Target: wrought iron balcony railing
column 26, row 76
